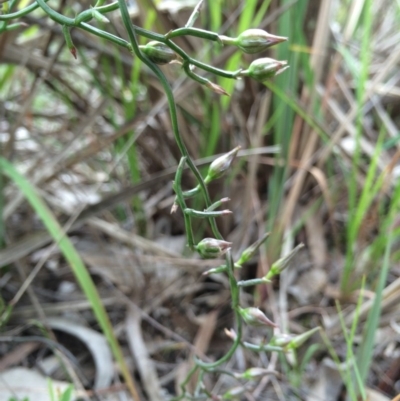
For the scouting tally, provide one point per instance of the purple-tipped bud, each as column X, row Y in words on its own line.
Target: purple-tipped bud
column 264, row 68
column 281, row 264
column 254, row 317
column 159, row 53
column 211, row 248
column 257, row 40
column 253, row 373
column 220, row 165
column 289, row 342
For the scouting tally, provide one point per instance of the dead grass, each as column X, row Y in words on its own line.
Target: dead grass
column 75, row 128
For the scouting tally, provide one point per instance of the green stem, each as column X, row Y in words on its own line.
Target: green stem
column 207, row 214
column 105, row 35
column 87, row 15
column 177, row 185
column 172, row 107
column 199, row 33
column 261, row 348
column 54, row 15
column 185, row 383
column 20, row 13
column 249, row 283
column 234, row 289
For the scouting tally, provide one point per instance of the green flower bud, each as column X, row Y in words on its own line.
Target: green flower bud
column 249, row 252
column 211, row 248
column 264, row 68
column 234, row 393
column 220, row 165
column 254, row 317
column 257, row 40
column 281, row 264
column 158, row 52
column 290, row 342
column 253, row 373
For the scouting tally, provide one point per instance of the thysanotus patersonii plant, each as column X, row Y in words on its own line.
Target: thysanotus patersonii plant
column 161, row 50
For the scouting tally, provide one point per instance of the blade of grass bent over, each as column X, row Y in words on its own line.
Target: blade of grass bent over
column 79, row 269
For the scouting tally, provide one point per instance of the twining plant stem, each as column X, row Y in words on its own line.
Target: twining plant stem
column 172, row 108
column 163, row 50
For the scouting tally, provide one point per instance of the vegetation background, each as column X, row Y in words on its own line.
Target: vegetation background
column 319, row 164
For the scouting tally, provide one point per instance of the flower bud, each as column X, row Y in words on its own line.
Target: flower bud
column 254, row 317
column 281, row 264
column 158, row 52
column 290, row 342
column 234, row 393
column 211, row 248
column 220, row 165
column 253, row 373
column 264, row 68
column 257, row 40
column 249, row 252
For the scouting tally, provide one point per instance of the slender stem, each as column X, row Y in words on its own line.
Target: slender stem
column 249, row 283
column 260, row 348
column 172, row 108
column 181, row 201
column 200, row 33
column 207, row 214
column 20, row 13
column 87, row 15
column 105, row 35
column 54, row 15
column 234, row 289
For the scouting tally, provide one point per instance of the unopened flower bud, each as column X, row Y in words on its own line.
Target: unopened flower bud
column 290, row 342
column 158, row 53
column 254, row 317
column 249, row 252
column 264, row 68
column 257, row 40
column 281, row 264
column 220, row 165
column 234, row 393
column 253, row 373
column 211, row 248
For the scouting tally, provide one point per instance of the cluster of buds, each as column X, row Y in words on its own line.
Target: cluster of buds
column 254, row 41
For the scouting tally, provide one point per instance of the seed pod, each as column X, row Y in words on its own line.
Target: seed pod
column 158, row 52
column 257, row 40
column 264, row 68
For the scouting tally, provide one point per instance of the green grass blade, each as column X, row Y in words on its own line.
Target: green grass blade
column 73, row 258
